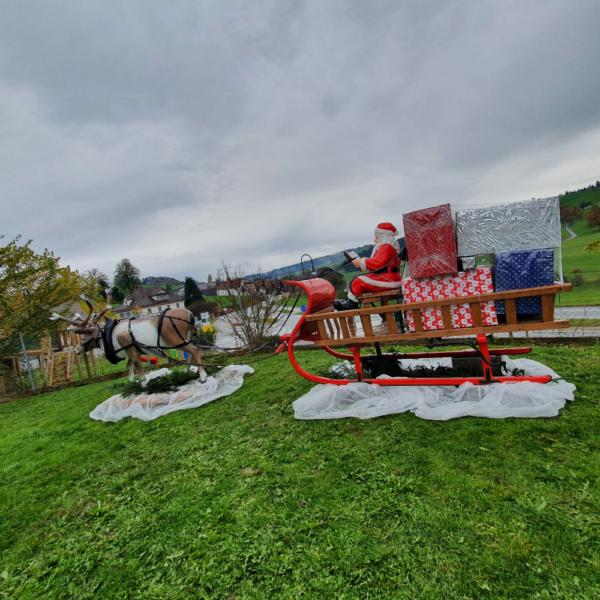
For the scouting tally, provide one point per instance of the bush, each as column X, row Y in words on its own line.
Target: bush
column 576, row 270
column 204, row 338
column 578, row 280
column 200, row 306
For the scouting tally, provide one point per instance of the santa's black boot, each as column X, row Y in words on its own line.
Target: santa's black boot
column 347, row 305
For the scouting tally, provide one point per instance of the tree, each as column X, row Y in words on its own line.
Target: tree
column 592, row 216
column 127, row 277
column 116, row 294
column 209, row 278
column 197, row 307
column 338, row 282
column 31, row 284
column 191, row 291
column 94, row 284
column 259, row 306
column 568, row 214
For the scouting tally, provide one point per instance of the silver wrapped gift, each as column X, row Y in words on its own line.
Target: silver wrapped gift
column 528, row 225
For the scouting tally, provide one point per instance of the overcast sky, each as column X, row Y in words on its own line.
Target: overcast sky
column 181, row 133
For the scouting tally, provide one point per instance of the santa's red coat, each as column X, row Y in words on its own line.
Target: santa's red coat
column 388, row 279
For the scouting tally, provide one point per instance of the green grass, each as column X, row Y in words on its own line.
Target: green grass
column 303, row 299
column 589, row 196
column 575, row 257
column 238, row 500
column 584, row 322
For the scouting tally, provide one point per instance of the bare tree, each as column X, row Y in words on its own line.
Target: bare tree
column 251, row 304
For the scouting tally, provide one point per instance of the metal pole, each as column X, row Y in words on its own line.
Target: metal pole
column 244, row 320
column 27, row 361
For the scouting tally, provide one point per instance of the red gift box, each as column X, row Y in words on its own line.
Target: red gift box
column 430, row 242
column 468, row 283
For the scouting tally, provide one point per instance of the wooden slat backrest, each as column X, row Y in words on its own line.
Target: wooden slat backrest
column 477, row 316
column 543, row 291
column 449, row 333
column 511, row 311
column 367, row 326
column 375, row 295
column 418, row 317
column 547, row 308
column 344, row 326
column 351, row 326
column 447, row 317
column 322, row 330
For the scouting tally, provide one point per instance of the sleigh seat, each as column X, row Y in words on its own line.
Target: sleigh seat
column 356, row 329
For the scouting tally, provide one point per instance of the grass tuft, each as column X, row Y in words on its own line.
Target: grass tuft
column 239, row 500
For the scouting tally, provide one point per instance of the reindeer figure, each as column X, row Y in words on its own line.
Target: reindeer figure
column 130, row 338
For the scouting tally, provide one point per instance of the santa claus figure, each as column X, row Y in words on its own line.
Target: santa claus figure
column 382, row 269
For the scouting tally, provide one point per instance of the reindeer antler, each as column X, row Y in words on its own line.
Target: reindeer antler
column 108, row 306
column 90, row 306
column 56, row 317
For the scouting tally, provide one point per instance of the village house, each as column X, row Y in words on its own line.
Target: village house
column 148, row 301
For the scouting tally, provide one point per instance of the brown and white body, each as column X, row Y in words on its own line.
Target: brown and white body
column 130, row 337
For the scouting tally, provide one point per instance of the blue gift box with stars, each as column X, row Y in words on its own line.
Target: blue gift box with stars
column 520, row 270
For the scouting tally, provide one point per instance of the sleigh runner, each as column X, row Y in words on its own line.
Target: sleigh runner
column 327, row 328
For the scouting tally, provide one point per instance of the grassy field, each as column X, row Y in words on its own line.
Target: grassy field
column 238, row 500
column 589, row 196
column 575, row 257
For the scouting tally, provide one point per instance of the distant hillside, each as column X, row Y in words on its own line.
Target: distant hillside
column 584, row 196
column 161, row 281
column 331, row 260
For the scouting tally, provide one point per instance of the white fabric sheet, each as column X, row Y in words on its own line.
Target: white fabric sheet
column 148, row 407
column 496, row 401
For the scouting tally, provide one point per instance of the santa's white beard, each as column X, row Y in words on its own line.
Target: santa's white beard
column 386, row 239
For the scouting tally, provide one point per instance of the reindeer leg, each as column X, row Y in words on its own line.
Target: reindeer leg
column 130, row 369
column 134, row 361
column 195, row 359
column 139, row 367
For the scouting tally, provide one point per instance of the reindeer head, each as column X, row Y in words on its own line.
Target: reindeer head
column 87, row 328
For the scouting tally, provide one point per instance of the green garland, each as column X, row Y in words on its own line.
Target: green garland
column 159, row 385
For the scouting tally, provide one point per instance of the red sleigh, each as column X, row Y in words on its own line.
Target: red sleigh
column 327, row 329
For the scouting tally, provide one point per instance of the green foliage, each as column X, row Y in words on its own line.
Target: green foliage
column 237, row 499
column 592, row 216
column 581, row 198
column 568, row 214
column 127, row 277
column 202, row 306
column 116, row 294
column 191, row 291
column 338, row 282
column 577, row 280
column 31, row 284
column 159, row 385
column 204, row 338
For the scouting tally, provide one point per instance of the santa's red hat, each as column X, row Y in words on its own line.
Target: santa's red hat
column 384, row 228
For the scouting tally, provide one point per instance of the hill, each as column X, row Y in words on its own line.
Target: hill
column 330, row 260
column 582, row 197
column 162, row 280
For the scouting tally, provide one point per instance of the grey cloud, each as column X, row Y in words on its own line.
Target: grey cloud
column 187, row 132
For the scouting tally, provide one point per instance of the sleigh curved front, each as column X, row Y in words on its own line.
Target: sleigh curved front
column 326, row 328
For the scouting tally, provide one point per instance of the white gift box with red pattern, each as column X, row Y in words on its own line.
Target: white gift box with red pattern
column 466, row 283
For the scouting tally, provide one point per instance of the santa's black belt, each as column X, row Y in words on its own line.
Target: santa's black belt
column 392, row 270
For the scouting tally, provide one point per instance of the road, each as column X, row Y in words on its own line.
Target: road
column 226, row 338
column 573, row 234
column 577, row 312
